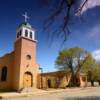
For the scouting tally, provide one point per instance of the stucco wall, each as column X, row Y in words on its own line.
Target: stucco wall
column 58, row 79
column 83, row 80
column 17, row 64
column 8, row 61
column 24, row 47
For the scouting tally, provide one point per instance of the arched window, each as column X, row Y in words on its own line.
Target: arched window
column 20, row 32
column 18, row 35
column 31, row 35
column 4, row 74
column 26, row 33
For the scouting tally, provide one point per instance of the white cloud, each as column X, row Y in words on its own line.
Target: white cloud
column 96, row 54
column 94, row 34
column 91, row 4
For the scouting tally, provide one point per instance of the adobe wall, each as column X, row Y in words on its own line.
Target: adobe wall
column 24, row 47
column 83, row 80
column 8, row 61
column 57, row 80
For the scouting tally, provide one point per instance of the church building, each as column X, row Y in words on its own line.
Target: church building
column 19, row 69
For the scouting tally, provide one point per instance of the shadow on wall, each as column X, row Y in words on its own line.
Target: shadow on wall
column 83, row 98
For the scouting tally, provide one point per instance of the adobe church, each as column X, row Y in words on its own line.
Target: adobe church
column 19, row 70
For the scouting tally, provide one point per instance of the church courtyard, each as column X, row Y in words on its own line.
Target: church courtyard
column 89, row 93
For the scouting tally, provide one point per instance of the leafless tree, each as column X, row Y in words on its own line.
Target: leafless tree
column 64, row 11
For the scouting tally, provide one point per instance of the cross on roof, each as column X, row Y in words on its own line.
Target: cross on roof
column 26, row 16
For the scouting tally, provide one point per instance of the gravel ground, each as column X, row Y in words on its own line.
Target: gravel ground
column 92, row 93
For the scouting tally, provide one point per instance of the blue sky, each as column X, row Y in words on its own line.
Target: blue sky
column 84, row 34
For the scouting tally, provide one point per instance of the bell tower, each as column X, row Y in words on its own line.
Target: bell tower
column 26, row 69
column 26, row 30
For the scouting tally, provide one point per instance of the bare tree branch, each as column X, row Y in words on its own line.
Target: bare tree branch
column 81, row 7
column 64, row 6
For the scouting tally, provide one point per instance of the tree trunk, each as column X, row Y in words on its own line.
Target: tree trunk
column 99, row 83
column 92, row 83
column 74, row 81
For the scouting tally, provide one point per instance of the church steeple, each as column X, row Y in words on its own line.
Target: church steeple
column 25, row 30
column 25, row 57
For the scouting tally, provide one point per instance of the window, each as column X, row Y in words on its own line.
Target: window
column 84, row 79
column 4, row 74
column 31, row 35
column 26, row 33
column 28, row 57
column 20, row 33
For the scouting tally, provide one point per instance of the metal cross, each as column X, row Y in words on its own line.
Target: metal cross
column 26, row 16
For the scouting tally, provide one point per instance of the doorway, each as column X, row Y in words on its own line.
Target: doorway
column 49, row 83
column 27, row 79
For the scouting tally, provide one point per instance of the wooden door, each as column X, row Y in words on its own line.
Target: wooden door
column 27, row 79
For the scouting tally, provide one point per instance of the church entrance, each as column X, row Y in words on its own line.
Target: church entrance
column 27, row 79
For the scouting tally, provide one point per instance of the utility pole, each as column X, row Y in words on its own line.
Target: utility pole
column 41, row 76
